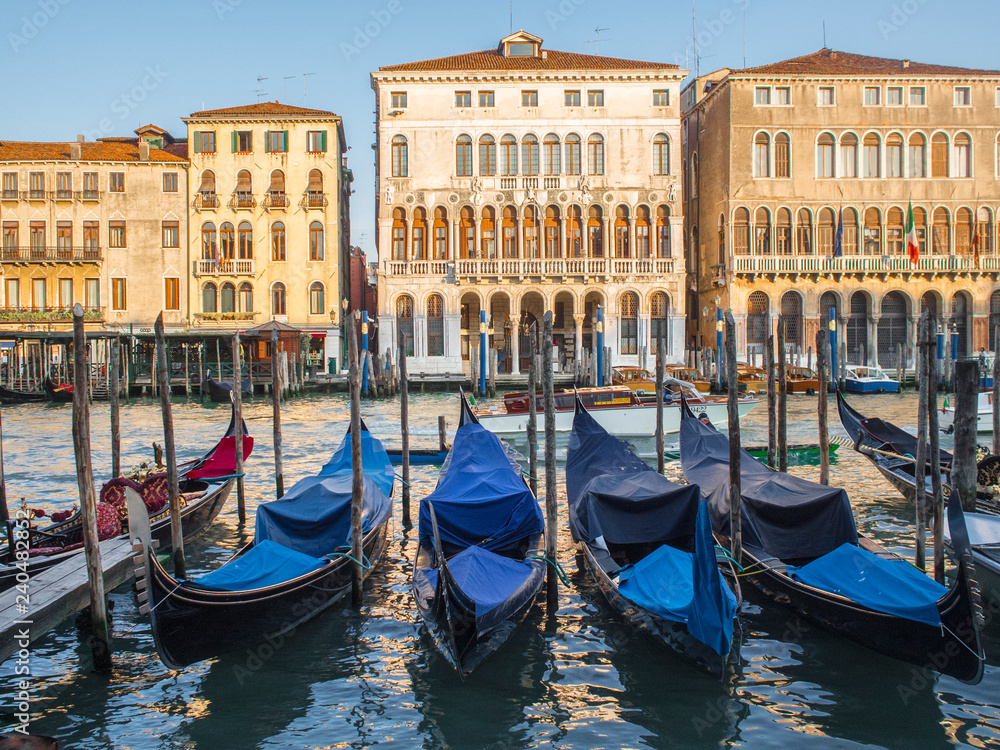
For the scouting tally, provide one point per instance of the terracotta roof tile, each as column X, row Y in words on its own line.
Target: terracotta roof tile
column 263, row 108
column 492, row 59
column 104, row 150
column 833, row 62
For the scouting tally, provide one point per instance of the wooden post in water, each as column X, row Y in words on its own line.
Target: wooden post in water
column 772, row 405
column 920, row 469
column 533, row 410
column 358, row 483
column 821, row 390
column 996, row 393
column 934, row 435
column 963, row 469
column 241, row 500
column 279, row 472
column 551, row 524
column 201, row 374
column 4, row 513
column 218, row 361
column 170, row 452
column 116, row 425
column 735, row 492
column 660, row 367
column 442, row 432
column 404, row 423
column 899, row 365
column 100, row 632
column 187, row 371
column 782, row 399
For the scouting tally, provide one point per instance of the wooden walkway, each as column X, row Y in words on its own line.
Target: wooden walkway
column 59, row 593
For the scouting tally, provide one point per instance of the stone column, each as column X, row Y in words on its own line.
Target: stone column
column 578, row 335
column 632, row 248
column 515, row 342
column 453, row 240
column 873, row 340
column 609, row 239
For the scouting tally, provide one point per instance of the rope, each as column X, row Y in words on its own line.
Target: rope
column 555, row 565
column 407, row 484
column 222, row 479
column 726, row 556
column 366, row 564
column 980, row 656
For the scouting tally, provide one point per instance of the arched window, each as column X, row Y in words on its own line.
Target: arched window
column 826, row 228
column 228, row 298
column 942, row 232
column 419, row 234
column 487, row 155
column 276, row 190
column 872, row 156
column 827, row 302
column 850, row 231
column 894, row 155
column 643, row 244
column 762, row 155
column 757, row 318
column 463, row 156
column 873, row 232
column 244, row 189
column 399, row 234
column 994, row 320
column 595, row 231
column 530, row 232
column 804, row 243
column 552, row 155
column 489, row 233
column 509, row 232
column 661, row 154
column 939, row 155
column 848, row 155
column 573, row 154
column 316, row 298
column 963, row 231
column 466, row 233
column 314, row 189
column 209, row 298
column 782, row 156
column 663, row 231
column 508, row 156
column 246, row 297
column 208, row 249
column 762, row 231
column 629, row 323
column 316, row 245
column 435, row 326
column 278, row 299
column 553, row 240
column 783, row 232
column 825, row 162
column 892, row 328
column 961, row 156
column 574, row 232
column 791, row 313
column 894, row 240
column 441, row 232
column 400, row 160
column 244, row 240
column 404, row 319
column 277, row 241
column 595, row 154
column 227, row 241
column 741, row 231
column 659, row 322
column 918, row 155
column 984, row 229
column 857, row 330
column 623, row 245
column 529, row 155
column 206, row 192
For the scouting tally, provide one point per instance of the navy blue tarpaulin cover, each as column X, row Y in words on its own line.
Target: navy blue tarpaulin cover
column 481, row 500
column 787, row 517
column 265, row 564
column 374, row 460
column 891, row 586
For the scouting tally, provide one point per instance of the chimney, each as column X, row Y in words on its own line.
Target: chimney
column 143, row 151
column 906, row 63
column 74, row 151
column 81, row 138
column 833, row 54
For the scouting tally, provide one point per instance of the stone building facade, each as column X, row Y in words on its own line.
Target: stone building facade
column 518, row 180
column 782, row 159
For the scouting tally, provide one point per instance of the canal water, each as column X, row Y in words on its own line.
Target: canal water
column 369, row 677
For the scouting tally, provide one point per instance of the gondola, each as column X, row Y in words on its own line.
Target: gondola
column 9, row 396
column 801, row 548
column 479, row 559
column 59, row 393
column 892, row 451
column 419, row 457
column 297, row 565
column 219, row 390
column 220, row 462
column 636, row 531
column 984, row 541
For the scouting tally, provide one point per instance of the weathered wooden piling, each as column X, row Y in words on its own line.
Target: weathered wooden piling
column 187, row 370
column 201, row 374
column 963, row 469
column 822, row 401
column 551, row 524
column 241, row 499
column 772, row 406
column 996, row 393
column 735, row 491
column 533, row 411
column 357, row 475
column 170, row 452
column 660, row 366
column 934, row 435
column 100, row 632
column 924, row 343
column 442, row 432
column 4, row 513
column 116, row 425
column 404, row 423
column 782, row 399
column 279, row 471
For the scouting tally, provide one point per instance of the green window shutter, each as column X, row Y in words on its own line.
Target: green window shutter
column 197, row 141
column 235, row 144
column 284, row 141
column 322, row 142
column 267, row 141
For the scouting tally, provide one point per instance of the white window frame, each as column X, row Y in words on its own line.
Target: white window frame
column 819, row 96
column 774, row 96
column 758, row 90
column 968, row 94
column 902, row 96
column 878, row 96
column 996, row 97
column 912, row 90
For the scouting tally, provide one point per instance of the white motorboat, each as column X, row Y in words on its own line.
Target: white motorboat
column 984, row 422
column 862, row 379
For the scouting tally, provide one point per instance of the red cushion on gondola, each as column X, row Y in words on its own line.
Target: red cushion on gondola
column 113, row 493
column 109, row 525
column 154, row 493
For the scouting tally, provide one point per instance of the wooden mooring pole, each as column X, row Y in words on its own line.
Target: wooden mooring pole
column 404, row 423
column 782, row 399
column 772, row 406
column 533, row 410
column 735, row 492
column 996, row 393
column 551, row 524
column 822, row 401
column 442, row 432
column 169, row 449
column 924, row 341
column 357, row 470
column 100, row 631
column 116, row 425
column 934, row 435
column 241, row 500
column 279, row 472
column 963, row 470
column 4, row 513
column 660, row 367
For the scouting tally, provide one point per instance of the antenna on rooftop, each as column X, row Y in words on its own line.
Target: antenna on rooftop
column 744, row 36
column 287, row 78
column 259, row 94
column 824, row 34
column 694, row 38
column 511, row 16
column 596, row 39
column 305, row 94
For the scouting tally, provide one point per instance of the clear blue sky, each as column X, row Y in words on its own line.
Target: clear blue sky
column 108, row 66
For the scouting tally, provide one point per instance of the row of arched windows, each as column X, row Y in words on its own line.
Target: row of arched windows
column 236, row 243
column 531, row 232
column 958, row 233
column 275, row 189
column 229, row 299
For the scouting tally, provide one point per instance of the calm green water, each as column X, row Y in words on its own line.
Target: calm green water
column 366, row 677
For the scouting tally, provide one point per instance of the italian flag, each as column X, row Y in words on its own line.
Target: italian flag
column 911, row 236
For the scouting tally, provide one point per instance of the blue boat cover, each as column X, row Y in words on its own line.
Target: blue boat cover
column 374, row 460
column 787, row 517
column 314, row 516
column 485, row 577
column 265, row 564
column 481, row 500
column 891, row 586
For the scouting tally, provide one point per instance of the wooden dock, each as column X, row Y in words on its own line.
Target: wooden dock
column 59, row 593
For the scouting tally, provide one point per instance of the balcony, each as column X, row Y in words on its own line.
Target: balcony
column 471, row 270
column 88, row 196
column 242, row 200
column 225, row 317
column 438, row 268
column 227, row 267
column 63, row 196
column 314, row 199
column 861, row 265
column 274, row 199
column 48, row 314
column 205, row 201
column 50, row 255
column 9, row 195
column 552, row 183
column 34, row 195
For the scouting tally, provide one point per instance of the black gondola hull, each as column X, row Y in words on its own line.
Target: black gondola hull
column 57, row 394
column 8, row 396
column 220, row 392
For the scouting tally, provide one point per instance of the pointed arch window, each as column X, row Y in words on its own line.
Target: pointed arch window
column 659, row 322
column 404, row 320
column 661, row 154
column 509, row 232
column 574, row 232
column 643, row 245
column 441, row 233
column 467, row 233
column 629, row 323
column 398, row 234
column 435, row 326
column 488, row 233
column 463, row 156
column 663, row 231
column 531, row 249
column 419, row 233
column 553, row 238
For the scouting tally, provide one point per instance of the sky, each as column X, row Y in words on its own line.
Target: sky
column 105, row 67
